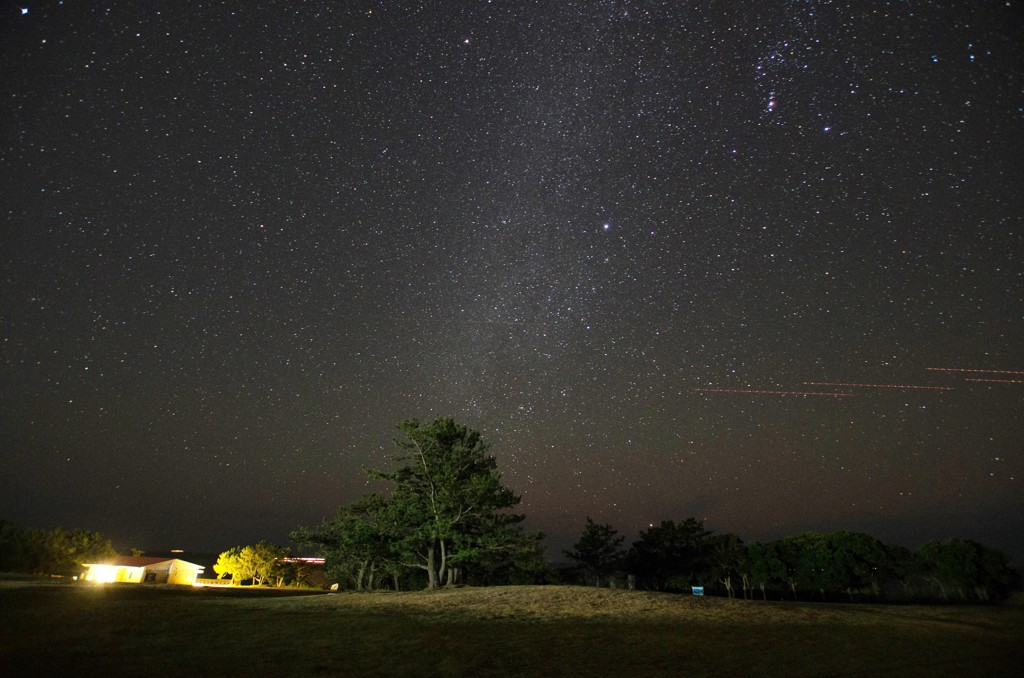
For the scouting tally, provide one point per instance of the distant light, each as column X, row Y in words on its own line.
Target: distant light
column 24, row 10
column 606, row 226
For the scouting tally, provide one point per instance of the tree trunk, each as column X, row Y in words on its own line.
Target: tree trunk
column 728, row 585
column 431, row 569
column 442, row 571
column 359, row 576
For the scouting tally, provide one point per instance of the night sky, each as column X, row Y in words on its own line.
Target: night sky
column 672, row 258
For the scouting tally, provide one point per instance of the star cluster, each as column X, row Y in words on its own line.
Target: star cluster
column 639, row 245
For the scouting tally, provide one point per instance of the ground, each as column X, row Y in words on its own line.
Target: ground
column 56, row 629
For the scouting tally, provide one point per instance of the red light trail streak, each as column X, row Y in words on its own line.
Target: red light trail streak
column 998, row 381
column 899, row 386
column 960, row 369
column 765, row 392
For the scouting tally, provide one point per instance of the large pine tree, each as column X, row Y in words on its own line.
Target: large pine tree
column 448, row 506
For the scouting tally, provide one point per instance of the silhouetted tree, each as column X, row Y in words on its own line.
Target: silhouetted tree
column 19, row 551
column 598, row 550
column 859, row 561
column 671, row 555
column 905, row 566
column 727, row 558
column 766, row 567
column 55, row 552
column 996, row 577
column 66, row 551
column 959, row 566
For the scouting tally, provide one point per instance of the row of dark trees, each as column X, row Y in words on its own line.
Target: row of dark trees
column 675, row 556
column 56, row 552
column 446, row 519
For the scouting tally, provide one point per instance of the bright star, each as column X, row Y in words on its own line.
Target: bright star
column 24, row 10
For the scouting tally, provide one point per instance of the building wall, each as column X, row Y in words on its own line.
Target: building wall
column 167, row 572
column 131, row 575
column 157, row 573
column 182, row 572
column 114, row 573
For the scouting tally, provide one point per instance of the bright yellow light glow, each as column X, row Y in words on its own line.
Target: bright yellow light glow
column 106, row 574
column 102, row 574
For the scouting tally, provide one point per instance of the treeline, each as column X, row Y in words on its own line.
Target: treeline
column 51, row 552
column 448, row 520
column 677, row 556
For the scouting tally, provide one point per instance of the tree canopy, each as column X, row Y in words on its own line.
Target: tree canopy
column 261, row 563
column 55, row 552
column 673, row 556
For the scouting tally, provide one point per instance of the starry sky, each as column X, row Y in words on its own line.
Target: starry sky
column 753, row 262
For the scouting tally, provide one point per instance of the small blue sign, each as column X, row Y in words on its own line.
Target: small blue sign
column 698, row 590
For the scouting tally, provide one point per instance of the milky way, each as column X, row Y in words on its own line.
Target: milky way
column 640, row 245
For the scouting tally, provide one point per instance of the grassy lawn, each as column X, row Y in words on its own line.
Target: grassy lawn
column 85, row 630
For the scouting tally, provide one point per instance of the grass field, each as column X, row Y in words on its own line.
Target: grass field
column 125, row 630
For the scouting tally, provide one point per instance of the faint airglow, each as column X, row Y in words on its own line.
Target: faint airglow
column 899, row 386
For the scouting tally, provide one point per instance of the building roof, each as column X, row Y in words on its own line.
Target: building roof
column 137, row 561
